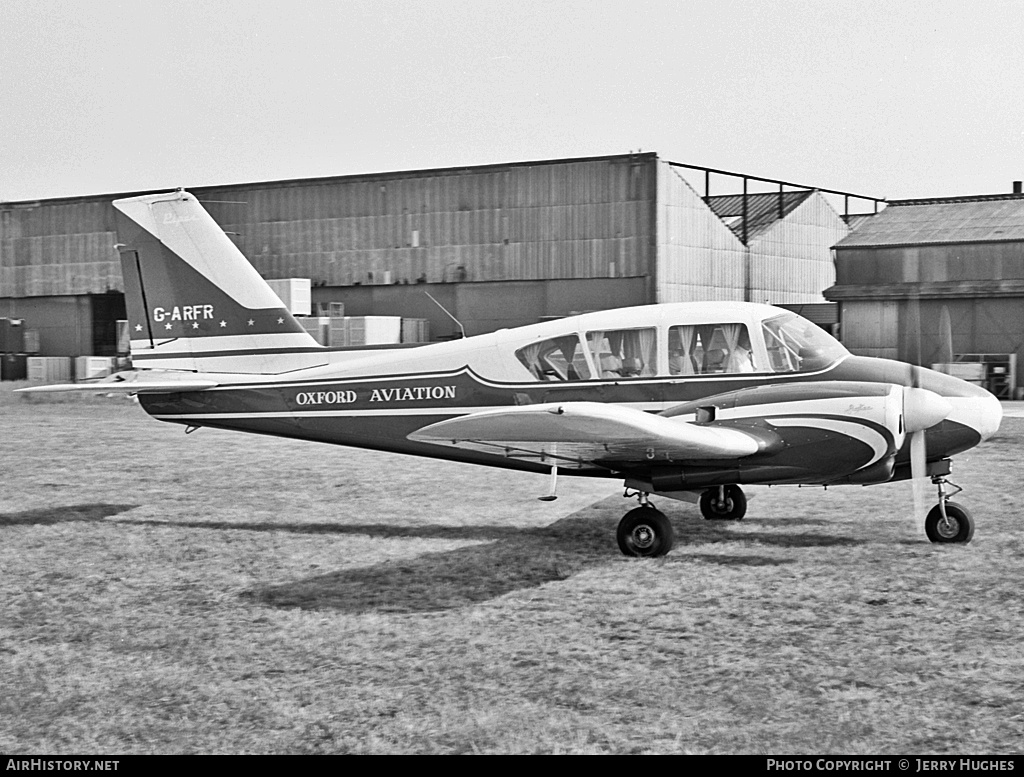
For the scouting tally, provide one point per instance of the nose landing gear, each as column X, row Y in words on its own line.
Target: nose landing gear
column 948, row 521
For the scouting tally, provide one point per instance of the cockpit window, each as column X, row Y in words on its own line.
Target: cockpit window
column 796, row 345
column 710, row 349
column 558, row 359
column 624, row 353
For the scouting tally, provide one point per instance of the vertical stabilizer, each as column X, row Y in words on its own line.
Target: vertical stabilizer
column 194, row 301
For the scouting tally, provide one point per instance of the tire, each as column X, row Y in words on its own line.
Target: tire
column 645, row 532
column 735, row 504
column 959, row 529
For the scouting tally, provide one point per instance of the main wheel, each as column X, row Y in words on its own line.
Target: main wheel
column 959, row 527
column 644, row 531
column 732, row 508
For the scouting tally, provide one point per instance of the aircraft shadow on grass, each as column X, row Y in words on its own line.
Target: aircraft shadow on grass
column 45, row 516
column 514, row 559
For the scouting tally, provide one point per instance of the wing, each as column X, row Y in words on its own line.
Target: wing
column 582, row 434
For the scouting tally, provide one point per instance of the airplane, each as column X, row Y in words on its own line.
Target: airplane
column 687, row 401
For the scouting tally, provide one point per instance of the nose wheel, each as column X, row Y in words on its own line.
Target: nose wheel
column 948, row 521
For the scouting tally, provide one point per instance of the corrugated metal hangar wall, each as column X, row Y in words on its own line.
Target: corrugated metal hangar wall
column 500, row 245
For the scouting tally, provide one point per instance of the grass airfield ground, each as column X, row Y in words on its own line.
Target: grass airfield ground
column 228, row 593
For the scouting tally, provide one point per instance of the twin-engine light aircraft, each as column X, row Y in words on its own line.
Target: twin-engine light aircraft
column 678, row 400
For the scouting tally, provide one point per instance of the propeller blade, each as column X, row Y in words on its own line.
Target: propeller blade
column 912, row 341
column 918, row 473
column 921, row 409
column 945, row 336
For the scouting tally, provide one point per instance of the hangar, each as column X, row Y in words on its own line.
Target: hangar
column 496, row 245
column 939, row 281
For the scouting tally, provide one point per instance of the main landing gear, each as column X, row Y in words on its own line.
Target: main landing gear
column 723, row 503
column 948, row 521
column 644, row 530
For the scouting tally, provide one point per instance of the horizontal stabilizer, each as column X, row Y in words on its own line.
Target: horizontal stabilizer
column 126, row 383
column 583, row 433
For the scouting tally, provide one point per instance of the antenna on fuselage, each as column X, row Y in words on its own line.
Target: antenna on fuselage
column 443, row 308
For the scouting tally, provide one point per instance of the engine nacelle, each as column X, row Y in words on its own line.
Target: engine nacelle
column 827, row 432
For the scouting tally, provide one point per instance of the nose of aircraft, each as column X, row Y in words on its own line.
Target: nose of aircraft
column 923, row 409
column 937, row 397
column 971, row 406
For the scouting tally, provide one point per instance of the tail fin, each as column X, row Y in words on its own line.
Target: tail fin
column 194, row 301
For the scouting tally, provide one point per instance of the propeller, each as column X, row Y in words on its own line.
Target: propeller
column 922, row 409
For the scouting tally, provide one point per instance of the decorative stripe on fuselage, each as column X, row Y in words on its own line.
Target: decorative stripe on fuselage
column 877, row 438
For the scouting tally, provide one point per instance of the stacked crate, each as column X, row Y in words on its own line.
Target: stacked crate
column 93, row 368
column 415, row 330
column 13, row 366
column 49, row 369
column 330, row 309
column 294, row 293
column 13, row 356
column 340, row 331
column 19, row 359
column 318, row 327
column 124, row 338
column 351, row 331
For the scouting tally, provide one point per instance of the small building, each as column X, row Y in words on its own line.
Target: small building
column 938, row 281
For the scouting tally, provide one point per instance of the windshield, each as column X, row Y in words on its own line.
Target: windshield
column 794, row 344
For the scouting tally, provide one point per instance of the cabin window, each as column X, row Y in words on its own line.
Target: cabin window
column 558, row 359
column 624, row 353
column 709, row 350
column 794, row 344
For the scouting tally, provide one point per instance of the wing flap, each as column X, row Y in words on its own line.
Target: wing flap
column 582, row 433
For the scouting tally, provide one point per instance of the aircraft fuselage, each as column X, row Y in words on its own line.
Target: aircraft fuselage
column 381, row 412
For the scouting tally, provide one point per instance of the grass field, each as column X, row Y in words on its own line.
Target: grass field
column 223, row 593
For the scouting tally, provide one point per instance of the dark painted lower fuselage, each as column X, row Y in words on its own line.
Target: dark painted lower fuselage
column 380, row 412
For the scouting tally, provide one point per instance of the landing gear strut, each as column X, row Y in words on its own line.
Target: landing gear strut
column 644, row 530
column 948, row 521
column 723, row 503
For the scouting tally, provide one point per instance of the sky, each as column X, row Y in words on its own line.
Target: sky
column 893, row 99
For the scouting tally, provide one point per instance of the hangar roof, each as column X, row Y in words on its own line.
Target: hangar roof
column 762, row 210
column 996, row 218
